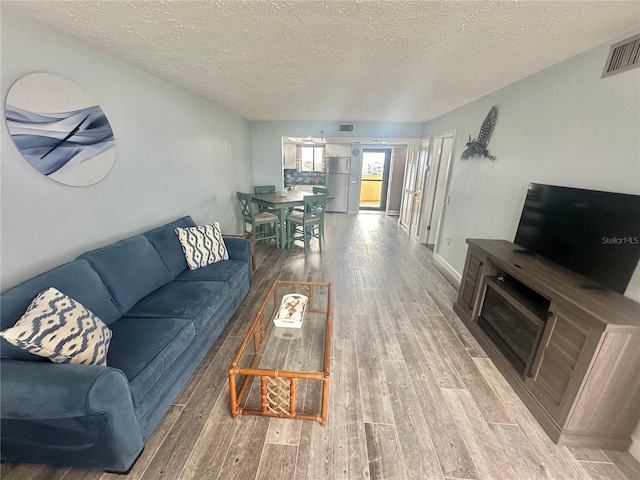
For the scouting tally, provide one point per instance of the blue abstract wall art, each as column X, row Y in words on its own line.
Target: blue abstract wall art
column 59, row 129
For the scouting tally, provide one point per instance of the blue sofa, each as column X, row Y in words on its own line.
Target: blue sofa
column 164, row 318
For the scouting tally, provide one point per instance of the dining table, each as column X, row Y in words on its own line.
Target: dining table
column 282, row 202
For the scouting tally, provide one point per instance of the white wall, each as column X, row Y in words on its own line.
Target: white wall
column 176, row 154
column 562, row 126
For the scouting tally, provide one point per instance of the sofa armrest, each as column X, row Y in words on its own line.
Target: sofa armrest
column 60, row 413
column 241, row 247
column 44, row 389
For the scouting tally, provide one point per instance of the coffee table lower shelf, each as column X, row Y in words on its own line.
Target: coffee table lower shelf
column 279, row 388
column 278, row 394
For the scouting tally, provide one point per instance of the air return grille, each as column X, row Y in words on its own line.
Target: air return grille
column 623, row 56
column 345, row 128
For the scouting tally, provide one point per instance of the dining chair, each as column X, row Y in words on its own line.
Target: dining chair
column 264, row 225
column 324, row 190
column 315, row 190
column 308, row 224
column 264, row 189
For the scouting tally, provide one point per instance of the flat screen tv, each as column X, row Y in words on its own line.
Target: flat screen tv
column 595, row 234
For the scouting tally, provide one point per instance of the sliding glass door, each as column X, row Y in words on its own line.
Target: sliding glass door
column 374, row 178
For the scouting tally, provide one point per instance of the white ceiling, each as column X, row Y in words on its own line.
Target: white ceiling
column 355, row 61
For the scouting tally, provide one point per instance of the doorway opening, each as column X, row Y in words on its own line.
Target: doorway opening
column 436, row 190
column 374, row 178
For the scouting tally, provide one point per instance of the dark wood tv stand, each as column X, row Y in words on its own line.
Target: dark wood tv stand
column 582, row 381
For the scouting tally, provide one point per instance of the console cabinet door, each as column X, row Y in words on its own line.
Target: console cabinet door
column 470, row 282
column 566, row 348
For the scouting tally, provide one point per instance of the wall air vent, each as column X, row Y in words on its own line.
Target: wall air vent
column 623, row 56
column 345, row 128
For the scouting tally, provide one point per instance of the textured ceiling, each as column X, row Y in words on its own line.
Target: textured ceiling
column 402, row 61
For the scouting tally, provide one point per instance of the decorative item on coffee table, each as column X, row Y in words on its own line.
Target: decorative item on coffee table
column 292, row 311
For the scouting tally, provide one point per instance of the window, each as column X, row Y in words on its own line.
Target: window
column 311, row 159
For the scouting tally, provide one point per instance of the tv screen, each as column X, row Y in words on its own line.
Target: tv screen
column 596, row 234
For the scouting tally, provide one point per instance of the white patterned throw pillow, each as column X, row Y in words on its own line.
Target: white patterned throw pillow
column 202, row 245
column 57, row 327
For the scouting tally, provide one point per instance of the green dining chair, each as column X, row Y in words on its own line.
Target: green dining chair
column 325, row 190
column 315, row 190
column 262, row 225
column 308, row 224
column 264, row 189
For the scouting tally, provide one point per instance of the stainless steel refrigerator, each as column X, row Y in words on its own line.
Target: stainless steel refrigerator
column 338, row 184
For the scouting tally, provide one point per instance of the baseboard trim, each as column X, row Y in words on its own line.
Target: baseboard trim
column 447, row 267
column 588, row 440
column 393, row 213
column 634, row 449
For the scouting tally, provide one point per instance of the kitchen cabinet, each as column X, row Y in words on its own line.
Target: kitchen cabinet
column 338, row 150
column 288, row 155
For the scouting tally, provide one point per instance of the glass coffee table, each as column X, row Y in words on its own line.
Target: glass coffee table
column 284, row 372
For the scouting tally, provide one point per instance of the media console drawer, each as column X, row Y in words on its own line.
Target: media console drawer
column 572, row 354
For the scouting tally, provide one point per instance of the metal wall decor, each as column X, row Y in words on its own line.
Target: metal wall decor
column 478, row 147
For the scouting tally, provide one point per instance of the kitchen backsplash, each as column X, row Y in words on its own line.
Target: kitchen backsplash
column 294, row 177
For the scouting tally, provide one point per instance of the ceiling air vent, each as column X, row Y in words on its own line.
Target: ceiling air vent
column 623, row 56
column 345, row 128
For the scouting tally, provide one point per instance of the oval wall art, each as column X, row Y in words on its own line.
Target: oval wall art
column 59, row 129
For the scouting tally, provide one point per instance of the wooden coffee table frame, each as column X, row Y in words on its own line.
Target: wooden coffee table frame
column 278, row 387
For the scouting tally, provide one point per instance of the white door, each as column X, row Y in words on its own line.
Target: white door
column 414, row 181
column 418, row 187
column 410, row 174
column 436, row 190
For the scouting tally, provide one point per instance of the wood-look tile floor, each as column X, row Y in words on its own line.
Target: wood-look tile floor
column 412, row 394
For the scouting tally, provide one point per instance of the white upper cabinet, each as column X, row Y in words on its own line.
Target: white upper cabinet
column 337, row 150
column 289, row 155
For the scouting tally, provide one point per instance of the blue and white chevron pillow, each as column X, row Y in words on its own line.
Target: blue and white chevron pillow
column 202, row 245
column 57, row 327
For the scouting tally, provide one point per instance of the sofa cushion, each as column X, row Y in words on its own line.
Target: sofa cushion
column 131, row 269
column 232, row 272
column 76, row 279
column 196, row 301
column 145, row 348
column 202, row 245
column 165, row 241
column 60, row 329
